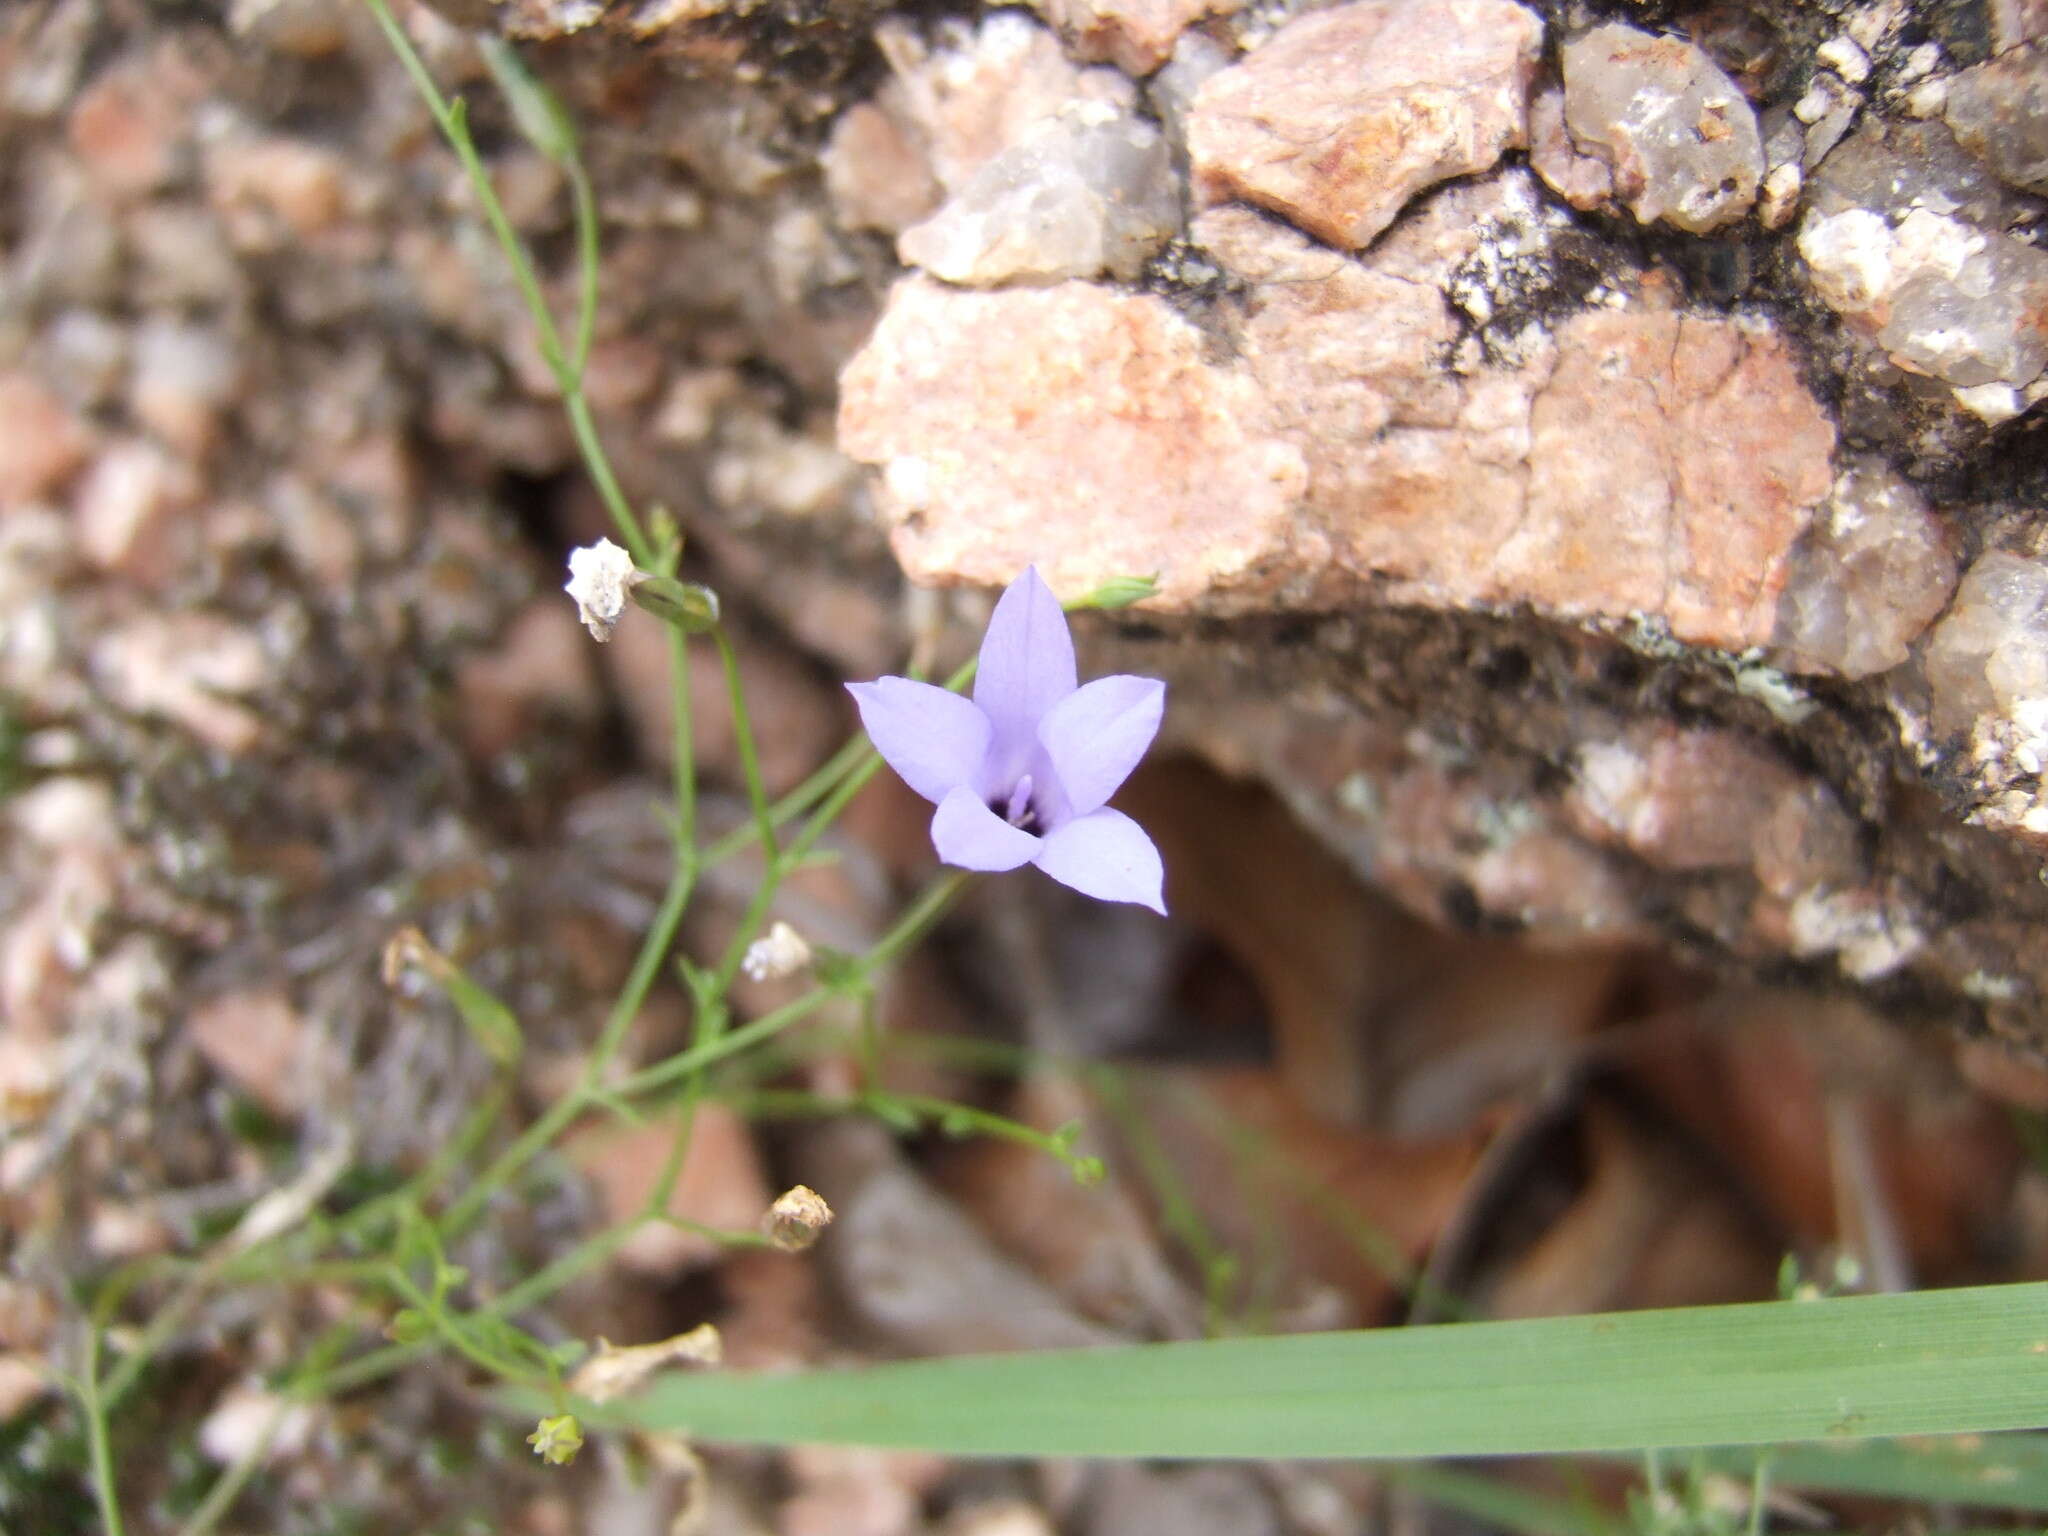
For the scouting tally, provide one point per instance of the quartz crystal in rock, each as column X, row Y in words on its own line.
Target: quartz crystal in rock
column 968, row 93
column 1989, row 655
column 1869, row 577
column 1678, row 136
column 1906, row 239
column 1581, row 179
column 1987, row 677
column 1348, row 113
column 1088, row 192
column 957, row 97
column 1999, row 112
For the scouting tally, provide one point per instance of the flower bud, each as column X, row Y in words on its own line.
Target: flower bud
column 557, row 1440
column 1120, row 592
column 691, row 608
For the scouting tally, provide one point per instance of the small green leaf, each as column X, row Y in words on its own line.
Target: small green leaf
column 1119, row 592
column 494, row 1026
column 409, row 1325
column 536, row 109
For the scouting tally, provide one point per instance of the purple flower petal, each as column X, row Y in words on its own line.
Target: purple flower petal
column 969, row 835
column 1106, row 855
column 1096, row 734
column 1027, row 664
column 935, row 740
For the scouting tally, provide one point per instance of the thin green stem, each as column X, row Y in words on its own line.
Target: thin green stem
column 485, row 1360
column 842, row 777
column 585, row 200
column 595, row 460
column 682, row 745
column 93, row 1409
column 686, row 1064
column 235, row 1477
column 220, row 1498
column 566, row 367
column 166, row 1321
column 795, row 803
column 681, row 1065
column 916, row 921
column 869, row 1044
column 646, row 967
column 449, row 116
column 743, row 735
column 476, row 1125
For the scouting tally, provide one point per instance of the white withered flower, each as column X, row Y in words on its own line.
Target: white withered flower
column 781, row 952
column 601, row 575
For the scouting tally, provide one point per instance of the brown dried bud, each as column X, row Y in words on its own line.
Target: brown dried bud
column 796, row 1218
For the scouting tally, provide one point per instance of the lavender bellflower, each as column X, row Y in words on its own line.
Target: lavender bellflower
column 1021, row 772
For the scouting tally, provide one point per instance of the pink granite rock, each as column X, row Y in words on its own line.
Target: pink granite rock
column 1630, row 462
column 1135, row 35
column 875, row 171
column 1707, row 799
column 1674, row 462
column 1071, row 425
column 1348, row 113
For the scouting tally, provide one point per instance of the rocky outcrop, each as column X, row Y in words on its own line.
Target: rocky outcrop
column 1629, row 462
column 1559, row 444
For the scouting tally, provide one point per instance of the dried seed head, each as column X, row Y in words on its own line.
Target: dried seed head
column 614, row 1371
column 796, row 1218
column 408, row 949
column 600, row 577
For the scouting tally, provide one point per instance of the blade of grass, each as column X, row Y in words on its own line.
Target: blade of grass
column 1933, row 1362
column 1998, row 1471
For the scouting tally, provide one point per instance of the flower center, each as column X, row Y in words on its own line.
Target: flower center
column 1020, row 812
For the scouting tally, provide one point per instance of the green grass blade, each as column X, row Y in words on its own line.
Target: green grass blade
column 1935, row 1362
column 2000, row 1471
